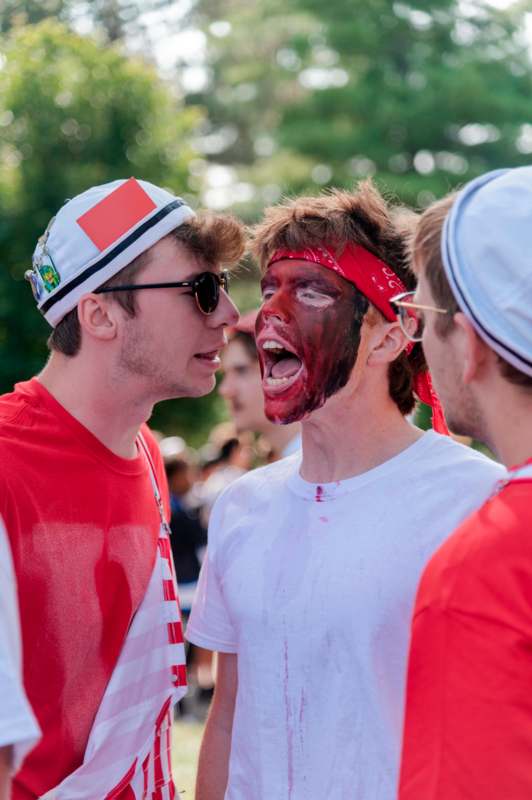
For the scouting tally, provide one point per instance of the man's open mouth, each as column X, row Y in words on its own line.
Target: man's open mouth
column 282, row 366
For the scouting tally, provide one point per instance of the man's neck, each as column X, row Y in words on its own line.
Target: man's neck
column 345, row 439
column 99, row 404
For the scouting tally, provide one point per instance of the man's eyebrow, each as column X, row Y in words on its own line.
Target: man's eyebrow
column 216, row 270
column 296, row 281
column 267, row 280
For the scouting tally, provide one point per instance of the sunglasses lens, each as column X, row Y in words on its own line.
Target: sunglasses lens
column 207, row 291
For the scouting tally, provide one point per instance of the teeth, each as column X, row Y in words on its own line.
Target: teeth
column 276, row 381
column 271, row 344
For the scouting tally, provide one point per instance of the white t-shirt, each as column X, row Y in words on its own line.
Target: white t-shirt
column 18, row 726
column 313, row 586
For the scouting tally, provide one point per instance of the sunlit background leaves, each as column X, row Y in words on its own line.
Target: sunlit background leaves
column 237, row 104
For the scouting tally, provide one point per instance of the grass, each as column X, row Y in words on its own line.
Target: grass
column 186, row 744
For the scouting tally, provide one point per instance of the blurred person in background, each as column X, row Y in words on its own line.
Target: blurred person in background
column 189, row 536
column 241, row 388
column 308, row 585
column 208, row 460
column 226, row 456
column 235, row 457
column 18, row 728
column 229, row 457
column 468, row 720
column 189, row 540
column 130, row 280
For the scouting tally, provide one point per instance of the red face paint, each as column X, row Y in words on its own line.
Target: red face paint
column 308, row 331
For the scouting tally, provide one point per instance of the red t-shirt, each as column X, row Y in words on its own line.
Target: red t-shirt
column 468, row 724
column 83, row 526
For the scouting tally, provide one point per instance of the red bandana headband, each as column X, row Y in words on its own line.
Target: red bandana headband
column 379, row 283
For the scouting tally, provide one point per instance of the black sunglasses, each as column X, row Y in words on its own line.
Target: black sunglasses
column 205, row 288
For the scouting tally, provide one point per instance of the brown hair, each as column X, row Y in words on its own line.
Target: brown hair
column 338, row 218
column 426, row 250
column 426, row 255
column 214, row 238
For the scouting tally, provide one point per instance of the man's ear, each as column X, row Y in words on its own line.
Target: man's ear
column 98, row 317
column 385, row 343
column 471, row 351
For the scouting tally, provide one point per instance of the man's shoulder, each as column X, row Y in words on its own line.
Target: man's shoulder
column 245, row 506
column 488, row 553
column 254, row 491
column 503, row 523
column 14, row 406
column 17, row 430
column 461, row 462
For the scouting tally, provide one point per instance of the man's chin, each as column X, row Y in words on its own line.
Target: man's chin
column 203, row 388
column 463, row 415
column 284, row 413
column 198, row 389
column 463, row 428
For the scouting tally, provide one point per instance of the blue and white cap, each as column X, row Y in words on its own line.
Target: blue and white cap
column 94, row 236
column 487, row 256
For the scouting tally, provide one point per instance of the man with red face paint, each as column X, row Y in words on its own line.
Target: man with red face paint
column 309, row 583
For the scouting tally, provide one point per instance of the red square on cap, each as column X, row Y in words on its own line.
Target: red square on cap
column 116, row 214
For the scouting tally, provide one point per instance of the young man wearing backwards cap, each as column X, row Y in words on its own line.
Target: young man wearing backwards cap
column 129, row 279
column 468, row 723
column 308, row 586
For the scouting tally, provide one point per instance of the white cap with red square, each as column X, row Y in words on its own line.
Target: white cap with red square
column 94, row 236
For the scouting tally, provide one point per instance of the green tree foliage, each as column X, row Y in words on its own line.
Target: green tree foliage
column 113, row 16
column 424, row 95
column 113, row 19
column 298, row 96
column 252, row 80
column 117, row 19
column 72, row 114
column 16, row 13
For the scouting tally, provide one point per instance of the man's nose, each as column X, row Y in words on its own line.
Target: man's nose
column 275, row 307
column 226, row 313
